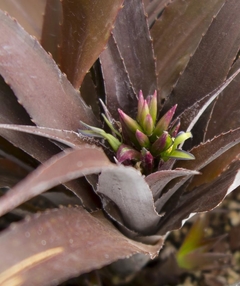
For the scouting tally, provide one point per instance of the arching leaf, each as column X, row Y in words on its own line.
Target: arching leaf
column 67, row 137
column 158, row 180
column 203, row 198
column 51, row 34
column 132, row 196
column 61, row 168
column 63, row 243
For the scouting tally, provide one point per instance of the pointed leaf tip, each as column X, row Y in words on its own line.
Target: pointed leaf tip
column 142, row 139
column 153, row 106
column 181, row 155
column 164, row 121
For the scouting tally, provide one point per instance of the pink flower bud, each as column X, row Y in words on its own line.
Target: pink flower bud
column 125, row 154
column 164, row 122
column 148, row 125
column 131, row 124
column 142, row 139
column 147, row 161
column 160, row 144
column 153, row 106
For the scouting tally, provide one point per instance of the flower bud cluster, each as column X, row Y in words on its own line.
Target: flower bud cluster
column 145, row 142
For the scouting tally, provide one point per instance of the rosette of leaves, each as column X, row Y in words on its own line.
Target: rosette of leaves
column 109, row 50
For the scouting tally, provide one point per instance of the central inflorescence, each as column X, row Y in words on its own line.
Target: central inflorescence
column 145, row 143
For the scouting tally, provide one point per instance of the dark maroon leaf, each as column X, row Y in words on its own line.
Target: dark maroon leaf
column 45, row 93
column 136, row 47
column 61, row 168
column 226, row 113
column 152, row 6
column 89, row 94
column 154, row 9
column 146, row 2
column 215, row 168
column 8, row 150
column 210, row 64
column 28, row 13
column 83, row 190
column 85, row 36
column 12, row 112
column 59, row 244
column 176, row 36
column 67, row 137
column 59, row 198
column 70, row 138
column 130, row 266
column 158, row 180
column 191, row 115
column 51, row 36
column 113, row 213
column 163, row 199
column 203, row 198
column 34, row 146
column 206, row 152
column 126, row 187
column 11, row 173
column 118, row 88
column 39, row 148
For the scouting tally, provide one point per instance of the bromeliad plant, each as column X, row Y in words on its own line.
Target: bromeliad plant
column 130, row 195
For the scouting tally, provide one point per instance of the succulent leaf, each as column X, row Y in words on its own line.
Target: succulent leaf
column 60, row 168
column 62, row 254
column 129, row 186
